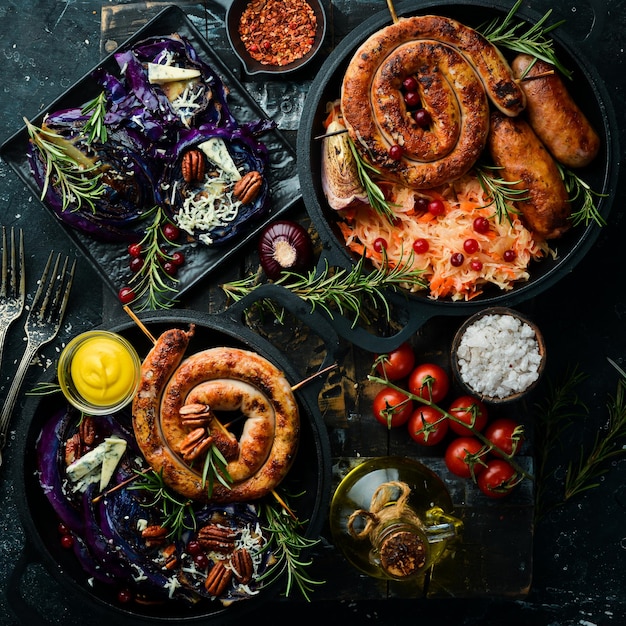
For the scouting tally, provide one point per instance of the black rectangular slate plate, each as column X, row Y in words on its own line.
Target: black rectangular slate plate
column 111, row 260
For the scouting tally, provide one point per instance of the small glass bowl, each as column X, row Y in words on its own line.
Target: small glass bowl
column 250, row 64
column 493, row 369
column 69, row 387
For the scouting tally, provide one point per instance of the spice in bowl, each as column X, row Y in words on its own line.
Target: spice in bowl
column 277, row 32
column 498, row 355
column 99, row 372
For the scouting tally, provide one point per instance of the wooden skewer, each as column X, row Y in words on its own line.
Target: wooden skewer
column 392, row 10
column 310, row 378
column 120, row 485
column 540, row 75
column 139, row 323
column 284, row 505
column 336, row 132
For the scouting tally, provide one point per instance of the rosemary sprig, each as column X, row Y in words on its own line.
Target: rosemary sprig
column 584, row 474
column 501, row 192
column 505, row 33
column 177, row 514
column 44, row 389
column 287, row 543
column 152, row 286
column 214, row 468
column 94, row 127
column 375, row 195
column 578, row 188
column 76, row 177
column 338, row 288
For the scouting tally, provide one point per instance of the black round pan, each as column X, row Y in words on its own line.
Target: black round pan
column 310, row 475
column 586, row 88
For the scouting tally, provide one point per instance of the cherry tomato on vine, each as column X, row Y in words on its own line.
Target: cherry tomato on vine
column 498, row 479
column 429, row 381
column 506, row 434
column 469, row 410
column 463, row 457
column 392, row 408
column 397, row 363
column 427, row 426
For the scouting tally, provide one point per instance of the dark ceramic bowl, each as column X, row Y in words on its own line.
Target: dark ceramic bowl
column 505, row 352
column 251, row 65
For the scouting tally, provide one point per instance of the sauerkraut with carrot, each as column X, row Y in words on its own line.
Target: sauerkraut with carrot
column 458, row 255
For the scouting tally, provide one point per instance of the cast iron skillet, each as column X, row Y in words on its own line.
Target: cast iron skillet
column 310, row 474
column 588, row 91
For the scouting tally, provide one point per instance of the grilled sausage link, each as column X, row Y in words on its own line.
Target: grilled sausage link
column 516, row 148
column 457, row 71
column 231, row 379
column 553, row 114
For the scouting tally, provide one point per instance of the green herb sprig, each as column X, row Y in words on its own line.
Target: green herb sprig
column 375, row 195
column 338, row 289
column 152, row 286
column 215, row 468
column 533, row 41
column 94, row 127
column 177, row 514
column 501, row 192
column 578, row 189
column 287, row 543
column 76, row 177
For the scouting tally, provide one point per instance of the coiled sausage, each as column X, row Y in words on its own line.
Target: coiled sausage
column 457, row 70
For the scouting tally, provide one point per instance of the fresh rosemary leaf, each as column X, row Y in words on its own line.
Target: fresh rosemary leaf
column 286, row 544
column 578, row 189
column 533, row 40
column 215, row 468
column 152, row 286
column 74, row 175
column 95, row 128
column 501, row 192
column 375, row 195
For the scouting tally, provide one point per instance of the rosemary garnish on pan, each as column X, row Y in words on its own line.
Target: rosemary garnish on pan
column 577, row 188
column 76, row 176
column 533, row 40
column 501, row 193
column 95, row 128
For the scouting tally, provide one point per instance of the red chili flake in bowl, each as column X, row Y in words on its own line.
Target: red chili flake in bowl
column 277, row 32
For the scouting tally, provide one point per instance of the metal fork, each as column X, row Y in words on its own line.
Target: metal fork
column 42, row 325
column 13, row 283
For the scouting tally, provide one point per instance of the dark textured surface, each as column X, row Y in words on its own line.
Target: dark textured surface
column 579, row 577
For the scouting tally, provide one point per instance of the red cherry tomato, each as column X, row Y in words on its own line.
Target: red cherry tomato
column 462, row 457
column 427, row 425
column 498, row 479
column 429, row 381
column 396, row 364
column 506, row 434
column 392, row 408
column 469, row 410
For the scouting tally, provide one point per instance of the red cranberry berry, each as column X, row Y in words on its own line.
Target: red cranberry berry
column 380, row 244
column 456, row 260
column 126, row 295
column 201, row 560
column 437, row 207
column 170, row 268
column 421, row 204
column 420, row 246
column 509, row 255
column 481, row 225
column 470, row 246
column 476, row 265
column 171, row 232
column 422, row 118
column 67, row 541
column 412, row 98
column 178, row 258
column 124, row 596
column 134, row 249
column 136, row 263
column 396, row 152
column 194, row 548
column 410, row 84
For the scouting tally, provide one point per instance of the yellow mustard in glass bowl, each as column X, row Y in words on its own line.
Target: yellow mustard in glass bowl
column 99, row 372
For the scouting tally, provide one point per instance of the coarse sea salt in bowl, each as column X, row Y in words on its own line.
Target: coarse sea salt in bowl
column 498, row 355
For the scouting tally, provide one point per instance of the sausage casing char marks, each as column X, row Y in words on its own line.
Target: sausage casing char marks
column 555, row 117
column 458, row 71
column 515, row 147
column 229, row 379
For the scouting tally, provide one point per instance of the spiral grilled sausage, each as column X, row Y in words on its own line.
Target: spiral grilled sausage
column 230, row 379
column 458, row 71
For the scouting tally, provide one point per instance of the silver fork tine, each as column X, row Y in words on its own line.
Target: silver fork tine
column 13, row 285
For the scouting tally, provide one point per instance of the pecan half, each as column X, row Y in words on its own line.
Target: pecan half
column 73, row 449
column 87, row 430
column 193, row 166
column 195, row 415
column 154, row 535
column 169, row 555
column 216, row 539
column 248, row 187
column 243, row 568
column 218, row 579
column 195, row 444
